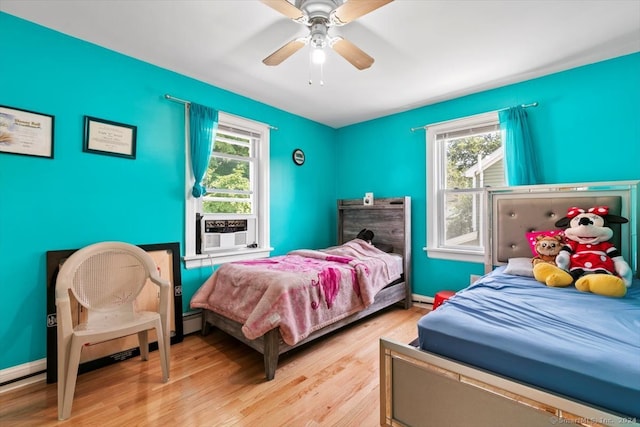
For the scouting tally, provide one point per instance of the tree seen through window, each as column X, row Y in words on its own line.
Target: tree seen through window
column 465, row 170
column 228, row 176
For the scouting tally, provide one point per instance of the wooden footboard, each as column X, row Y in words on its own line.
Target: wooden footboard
column 271, row 345
column 418, row 388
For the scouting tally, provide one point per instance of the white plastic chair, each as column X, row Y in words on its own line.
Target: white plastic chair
column 106, row 278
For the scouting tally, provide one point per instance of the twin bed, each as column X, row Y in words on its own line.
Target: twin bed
column 509, row 350
column 276, row 304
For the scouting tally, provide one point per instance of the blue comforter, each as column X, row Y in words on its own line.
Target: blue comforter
column 580, row 345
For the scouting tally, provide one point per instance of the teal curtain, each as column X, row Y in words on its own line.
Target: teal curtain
column 519, row 160
column 203, row 124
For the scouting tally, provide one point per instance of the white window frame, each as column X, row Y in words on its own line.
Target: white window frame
column 261, row 201
column 436, row 183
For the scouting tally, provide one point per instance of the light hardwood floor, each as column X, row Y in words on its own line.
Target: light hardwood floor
column 217, row 381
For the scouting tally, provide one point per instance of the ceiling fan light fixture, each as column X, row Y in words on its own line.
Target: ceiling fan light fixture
column 318, row 55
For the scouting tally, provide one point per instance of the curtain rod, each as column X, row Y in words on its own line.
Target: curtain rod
column 533, row 104
column 182, row 101
column 174, row 99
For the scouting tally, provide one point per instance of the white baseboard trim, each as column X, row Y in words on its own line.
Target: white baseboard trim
column 32, row 372
column 21, row 375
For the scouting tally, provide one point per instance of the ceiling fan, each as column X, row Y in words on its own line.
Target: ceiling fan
column 319, row 16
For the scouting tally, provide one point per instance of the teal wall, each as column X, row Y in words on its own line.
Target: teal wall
column 586, row 128
column 587, row 117
column 80, row 198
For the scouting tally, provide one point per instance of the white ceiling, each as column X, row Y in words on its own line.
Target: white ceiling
column 425, row 51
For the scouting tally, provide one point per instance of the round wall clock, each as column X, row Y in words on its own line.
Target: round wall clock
column 298, row 156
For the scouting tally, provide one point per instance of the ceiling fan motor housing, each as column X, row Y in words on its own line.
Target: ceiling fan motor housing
column 318, row 33
column 318, row 8
column 318, row 13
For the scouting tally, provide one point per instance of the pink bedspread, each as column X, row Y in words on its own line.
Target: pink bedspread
column 300, row 292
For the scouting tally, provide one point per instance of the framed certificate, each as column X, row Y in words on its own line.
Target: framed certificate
column 26, row 132
column 110, row 138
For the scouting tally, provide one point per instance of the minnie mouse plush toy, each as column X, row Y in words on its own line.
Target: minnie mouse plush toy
column 587, row 257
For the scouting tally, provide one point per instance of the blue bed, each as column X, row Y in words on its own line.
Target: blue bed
column 571, row 343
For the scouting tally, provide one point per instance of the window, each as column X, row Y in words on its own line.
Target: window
column 231, row 222
column 464, row 156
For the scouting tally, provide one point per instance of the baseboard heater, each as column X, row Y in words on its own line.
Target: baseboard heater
column 192, row 322
column 421, row 300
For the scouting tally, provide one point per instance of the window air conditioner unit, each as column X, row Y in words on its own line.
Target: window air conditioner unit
column 223, row 234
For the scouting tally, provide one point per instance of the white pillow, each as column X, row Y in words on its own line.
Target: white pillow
column 519, row 267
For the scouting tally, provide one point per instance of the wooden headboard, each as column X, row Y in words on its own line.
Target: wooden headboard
column 388, row 218
column 517, row 210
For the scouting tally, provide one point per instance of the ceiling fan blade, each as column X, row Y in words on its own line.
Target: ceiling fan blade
column 285, row 8
column 354, row 9
column 284, row 52
column 352, row 53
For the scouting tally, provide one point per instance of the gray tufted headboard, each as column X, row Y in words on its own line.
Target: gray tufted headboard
column 517, row 210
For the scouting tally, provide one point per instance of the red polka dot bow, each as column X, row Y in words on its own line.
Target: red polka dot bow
column 598, row 210
column 574, row 212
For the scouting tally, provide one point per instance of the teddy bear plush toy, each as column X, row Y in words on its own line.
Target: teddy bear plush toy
column 547, row 248
column 588, row 258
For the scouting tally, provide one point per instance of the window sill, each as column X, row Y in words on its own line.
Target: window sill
column 454, row 255
column 209, row 260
